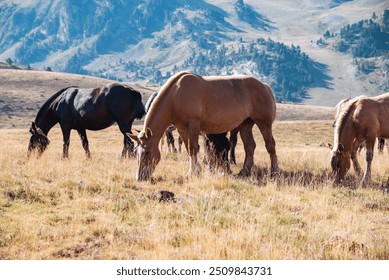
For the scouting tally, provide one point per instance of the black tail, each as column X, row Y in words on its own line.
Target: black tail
column 139, row 109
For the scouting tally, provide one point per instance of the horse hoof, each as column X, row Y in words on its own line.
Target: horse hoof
column 244, row 173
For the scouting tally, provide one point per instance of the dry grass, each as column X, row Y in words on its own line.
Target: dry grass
column 94, row 209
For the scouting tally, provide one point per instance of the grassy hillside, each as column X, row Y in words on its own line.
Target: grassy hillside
column 94, row 209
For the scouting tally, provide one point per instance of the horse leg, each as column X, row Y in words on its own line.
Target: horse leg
column 354, row 158
column 246, row 133
column 84, row 141
column 66, row 140
column 193, row 147
column 381, row 144
column 128, row 145
column 270, row 145
column 179, row 143
column 167, row 140
column 233, row 141
column 369, row 158
column 161, row 142
column 183, row 139
column 170, row 141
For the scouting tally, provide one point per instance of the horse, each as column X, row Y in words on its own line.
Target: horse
column 82, row 109
column 362, row 121
column 212, row 105
column 339, row 107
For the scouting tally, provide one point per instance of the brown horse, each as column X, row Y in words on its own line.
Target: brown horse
column 337, row 112
column 362, row 121
column 211, row 105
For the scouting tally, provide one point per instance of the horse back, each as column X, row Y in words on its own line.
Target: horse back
column 236, row 93
column 98, row 108
column 373, row 113
column 124, row 101
column 227, row 100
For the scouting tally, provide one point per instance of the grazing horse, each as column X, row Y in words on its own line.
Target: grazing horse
column 338, row 110
column 211, row 105
column 362, row 121
column 92, row 109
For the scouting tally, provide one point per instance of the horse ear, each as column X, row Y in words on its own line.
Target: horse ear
column 329, row 145
column 148, row 132
column 133, row 137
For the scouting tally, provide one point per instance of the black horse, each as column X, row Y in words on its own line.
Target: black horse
column 92, row 109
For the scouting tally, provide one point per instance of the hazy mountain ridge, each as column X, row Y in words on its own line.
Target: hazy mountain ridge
column 61, row 33
column 145, row 41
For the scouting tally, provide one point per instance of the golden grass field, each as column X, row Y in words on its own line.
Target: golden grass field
column 95, row 209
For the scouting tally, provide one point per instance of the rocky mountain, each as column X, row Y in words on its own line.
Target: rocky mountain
column 146, row 41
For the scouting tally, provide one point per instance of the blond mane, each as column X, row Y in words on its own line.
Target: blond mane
column 342, row 119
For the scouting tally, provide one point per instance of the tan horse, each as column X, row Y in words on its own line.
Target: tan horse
column 211, row 105
column 344, row 103
column 362, row 121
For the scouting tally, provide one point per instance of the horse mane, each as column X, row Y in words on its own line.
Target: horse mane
column 150, row 101
column 342, row 119
column 172, row 80
column 49, row 102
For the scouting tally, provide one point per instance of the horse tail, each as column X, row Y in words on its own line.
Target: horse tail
column 139, row 109
column 342, row 120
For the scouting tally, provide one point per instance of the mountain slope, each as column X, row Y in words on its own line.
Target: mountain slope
column 122, row 40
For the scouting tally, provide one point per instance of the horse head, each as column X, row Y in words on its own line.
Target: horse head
column 148, row 153
column 38, row 140
column 340, row 162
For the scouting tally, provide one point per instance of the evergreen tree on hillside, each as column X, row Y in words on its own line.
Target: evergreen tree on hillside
column 366, row 38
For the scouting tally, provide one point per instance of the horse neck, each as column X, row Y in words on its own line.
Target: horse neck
column 345, row 133
column 159, row 116
column 158, row 120
column 46, row 119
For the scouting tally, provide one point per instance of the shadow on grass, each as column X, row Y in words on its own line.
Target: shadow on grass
column 261, row 176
